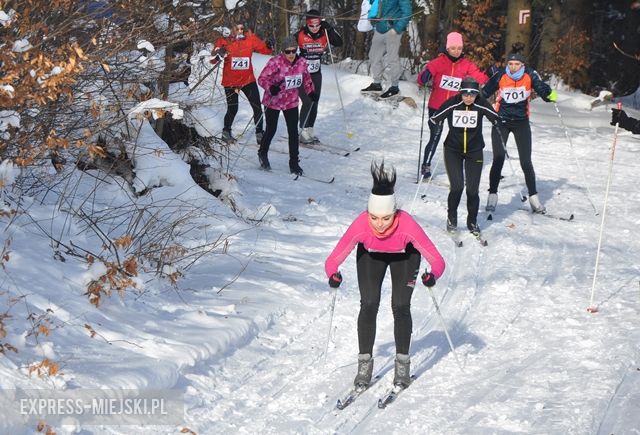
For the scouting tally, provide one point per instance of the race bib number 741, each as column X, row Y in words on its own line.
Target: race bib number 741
column 239, row 63
column 294, row 81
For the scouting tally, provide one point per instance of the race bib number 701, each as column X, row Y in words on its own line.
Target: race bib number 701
column 294, row 81
column 514, row 95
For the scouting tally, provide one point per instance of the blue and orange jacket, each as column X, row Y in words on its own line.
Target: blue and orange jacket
column 514, row 96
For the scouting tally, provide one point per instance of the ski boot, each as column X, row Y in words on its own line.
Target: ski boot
column 403, row 367
column 535, row 204
column 492, row 202
column 365, row 370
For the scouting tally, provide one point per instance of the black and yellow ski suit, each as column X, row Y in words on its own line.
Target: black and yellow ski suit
column 463, row 151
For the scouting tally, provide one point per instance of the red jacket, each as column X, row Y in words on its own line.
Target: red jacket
column 447, row 76
column 238, row 69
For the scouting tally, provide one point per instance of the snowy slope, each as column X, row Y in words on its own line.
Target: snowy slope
column 244, row 335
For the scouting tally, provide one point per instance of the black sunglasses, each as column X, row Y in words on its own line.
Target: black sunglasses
column 290, row 51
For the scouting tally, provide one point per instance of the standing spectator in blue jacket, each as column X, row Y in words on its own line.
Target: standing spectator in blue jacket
column 390, row 19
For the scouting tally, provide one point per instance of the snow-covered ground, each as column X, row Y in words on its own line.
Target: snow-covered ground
column 248, row 337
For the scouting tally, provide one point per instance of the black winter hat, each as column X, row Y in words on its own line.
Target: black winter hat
column 469, row 86
column 313, row 13
column 515, row 55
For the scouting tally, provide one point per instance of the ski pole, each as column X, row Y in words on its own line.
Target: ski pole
column 523, row 198
column 333, row 306
column 420, row 183
column 335, row 75
column 424, row 103
column 215, row 68
column 444, row 327
column 592, row 308
column 584, row 180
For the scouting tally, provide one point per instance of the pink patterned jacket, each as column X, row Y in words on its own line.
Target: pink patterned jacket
column 408, row 231
column 289, row 76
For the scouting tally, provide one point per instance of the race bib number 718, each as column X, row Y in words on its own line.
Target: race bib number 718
column 294, row 81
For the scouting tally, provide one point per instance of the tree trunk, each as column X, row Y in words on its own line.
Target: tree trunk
column 576, row 16
column 283, row 20
column 359, row 46
column 450, row 12
column 519, row 24
column 551, row 29
column 430, row 25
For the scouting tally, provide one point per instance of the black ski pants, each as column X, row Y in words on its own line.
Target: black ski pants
column 372, row 267
column 522, row 134
column 435, row 131
column 309, row 109
column 291, row 118
column 253, row 95
column 463, row 169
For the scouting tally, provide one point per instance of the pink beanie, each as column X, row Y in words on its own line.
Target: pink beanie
column 454, row 39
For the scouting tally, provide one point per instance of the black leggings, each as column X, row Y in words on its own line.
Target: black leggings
column 291, row 118
column 309, row 109
column 460, row 168
column 522, row 134
column 253, row 95
column 435, row 131
column 372, row 266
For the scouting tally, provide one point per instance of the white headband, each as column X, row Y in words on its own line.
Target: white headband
column 381, row 205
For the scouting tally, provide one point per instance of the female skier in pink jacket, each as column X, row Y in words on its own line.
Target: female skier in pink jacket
column 387, row 238
column 281, row 79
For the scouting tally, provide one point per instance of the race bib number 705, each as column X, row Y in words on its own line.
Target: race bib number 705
column 465, row 119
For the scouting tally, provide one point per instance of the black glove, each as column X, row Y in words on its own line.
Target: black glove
column 335, row 280
column 428, row 279
column 313, row 97
column 325, row 26
column 492, row 70
column 274, row 90
column 221, row 52
column 270, row 43
column 618, row 116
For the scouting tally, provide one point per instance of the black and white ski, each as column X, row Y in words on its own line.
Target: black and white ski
column 350, row 397
column 479, row 238
column 354, row 393
column 455, row 236
column 319, row 180
column 551, row 215
column 392, row 394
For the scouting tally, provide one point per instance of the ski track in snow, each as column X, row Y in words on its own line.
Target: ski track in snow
column 533, row 359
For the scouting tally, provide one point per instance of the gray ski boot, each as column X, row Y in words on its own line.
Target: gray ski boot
column 403, row 367
column 365, row 370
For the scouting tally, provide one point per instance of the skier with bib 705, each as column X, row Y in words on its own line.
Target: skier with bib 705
column 463, row 147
